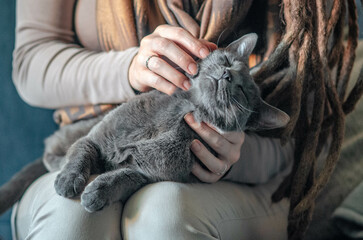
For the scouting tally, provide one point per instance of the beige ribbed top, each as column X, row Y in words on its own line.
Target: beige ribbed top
column 51, row 69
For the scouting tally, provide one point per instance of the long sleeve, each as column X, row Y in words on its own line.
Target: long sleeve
column 51, row 71
column 261, row 159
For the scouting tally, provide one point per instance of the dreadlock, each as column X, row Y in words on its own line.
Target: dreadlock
column 310, row 69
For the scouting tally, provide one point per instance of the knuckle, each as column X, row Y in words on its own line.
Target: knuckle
column 161, row 44
column 156, row 81
column 201, row 127
column 237, row 138
column 235, row 156
column 218, row 143
column 155, row 63
column 140, row 60
column 145, row 40
column 179, row 32
column 170, row 90
column 160, row 28
column 184, row 60
column 195, row 46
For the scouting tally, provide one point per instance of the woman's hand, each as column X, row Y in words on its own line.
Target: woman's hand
column 228, row 146
column 172, row 43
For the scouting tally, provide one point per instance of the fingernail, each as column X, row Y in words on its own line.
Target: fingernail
column 186, row 84
column 193, row 68
column 195, row 146
column 204, row 52
column 189, row 118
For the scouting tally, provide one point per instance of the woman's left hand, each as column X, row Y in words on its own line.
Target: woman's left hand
column 228, row 147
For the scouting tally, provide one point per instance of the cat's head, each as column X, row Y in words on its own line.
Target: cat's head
column 226, row 94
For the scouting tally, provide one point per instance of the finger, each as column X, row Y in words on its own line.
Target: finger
column 210, row 136
column 134, row 77
column 162, row 68
column 172, row 51
column 232, row 137
column 214, row 164
column 211, row 46
column 184, row 38
column 235, row 137
column 204, row 175
column 158, row 82
column 233, row 153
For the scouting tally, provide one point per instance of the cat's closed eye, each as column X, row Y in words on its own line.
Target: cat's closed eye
column 227, row 62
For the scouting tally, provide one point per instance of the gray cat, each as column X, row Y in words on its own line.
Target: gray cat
column 146, row 140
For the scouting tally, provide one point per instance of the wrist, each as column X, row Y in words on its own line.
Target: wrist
column 131, row 74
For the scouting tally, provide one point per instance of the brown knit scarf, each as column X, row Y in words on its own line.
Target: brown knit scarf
column 122, row 24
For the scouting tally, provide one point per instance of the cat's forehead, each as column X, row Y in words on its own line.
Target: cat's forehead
column 217, row 55
column 220, row 57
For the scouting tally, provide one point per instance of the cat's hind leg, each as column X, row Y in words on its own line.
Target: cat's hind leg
column 82, row 157
column 116, row 185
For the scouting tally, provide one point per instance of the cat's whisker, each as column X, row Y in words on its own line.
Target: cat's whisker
column 241, row 107
column 220, row 35
column 235, row 115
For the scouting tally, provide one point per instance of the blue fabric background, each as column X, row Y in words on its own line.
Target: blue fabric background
column 22, row 128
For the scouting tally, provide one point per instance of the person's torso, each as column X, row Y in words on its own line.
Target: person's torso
column 85, row 24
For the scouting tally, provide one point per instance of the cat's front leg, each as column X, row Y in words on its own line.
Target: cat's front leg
column 81, row 158
column 117, row 185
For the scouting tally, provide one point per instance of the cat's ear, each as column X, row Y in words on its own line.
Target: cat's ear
column 244, row 45
column 267, row 117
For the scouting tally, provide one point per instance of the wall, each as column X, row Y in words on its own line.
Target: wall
column 22, row 128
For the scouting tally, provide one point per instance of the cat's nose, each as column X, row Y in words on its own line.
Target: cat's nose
column 227, row 75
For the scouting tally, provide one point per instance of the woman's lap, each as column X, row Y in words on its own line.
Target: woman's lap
column 163, row 210
column 43, row 214
column 204, row 211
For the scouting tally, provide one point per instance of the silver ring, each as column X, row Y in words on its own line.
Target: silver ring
column 224, row 170
column 147, row 61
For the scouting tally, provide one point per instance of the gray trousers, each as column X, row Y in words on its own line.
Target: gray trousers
column 164, row 210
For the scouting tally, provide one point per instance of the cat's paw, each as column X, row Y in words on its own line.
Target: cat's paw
column 69, row 184
column 96, row 195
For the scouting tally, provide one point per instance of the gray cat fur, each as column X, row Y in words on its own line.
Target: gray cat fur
column 146, row 140
column 57, row 145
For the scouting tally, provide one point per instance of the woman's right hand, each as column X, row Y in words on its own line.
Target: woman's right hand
column 176, row 45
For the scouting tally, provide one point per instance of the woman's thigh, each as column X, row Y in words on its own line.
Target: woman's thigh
column 223, row 210
column 43, row 214
column 158, row 211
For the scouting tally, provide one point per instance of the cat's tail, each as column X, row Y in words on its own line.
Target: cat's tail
column 12, row 191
